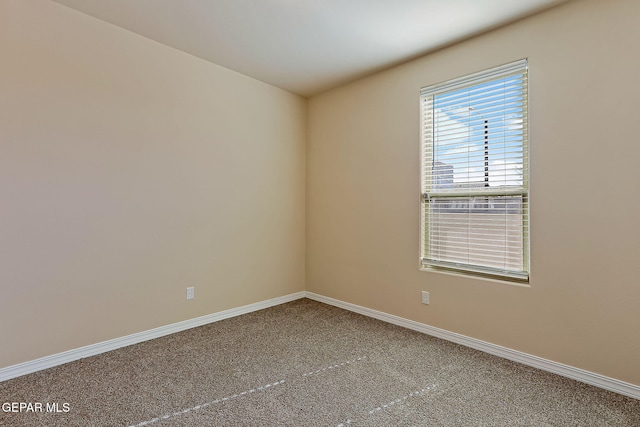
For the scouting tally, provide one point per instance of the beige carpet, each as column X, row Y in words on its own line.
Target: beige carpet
column 307, row 364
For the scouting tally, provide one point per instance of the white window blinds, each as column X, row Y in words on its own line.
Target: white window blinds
column 475, row 198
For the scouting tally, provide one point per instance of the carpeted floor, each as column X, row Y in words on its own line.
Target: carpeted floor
column 307, row 364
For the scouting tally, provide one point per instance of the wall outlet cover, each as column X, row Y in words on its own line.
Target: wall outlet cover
column 425, row 297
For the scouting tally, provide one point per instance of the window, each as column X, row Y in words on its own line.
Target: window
column 475, row 174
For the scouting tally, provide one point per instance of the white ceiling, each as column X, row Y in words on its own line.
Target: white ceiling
column 307, row 46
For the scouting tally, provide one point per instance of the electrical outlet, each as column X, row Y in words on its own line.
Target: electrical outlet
column 190, row 292
column 425, row 297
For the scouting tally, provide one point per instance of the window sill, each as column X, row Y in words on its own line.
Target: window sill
column 479, row 276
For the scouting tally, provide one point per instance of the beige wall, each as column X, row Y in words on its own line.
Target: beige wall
column 583, row 304
column 129, row 171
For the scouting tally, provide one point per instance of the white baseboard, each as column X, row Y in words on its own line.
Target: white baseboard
column 581, row 375
column 93, row 349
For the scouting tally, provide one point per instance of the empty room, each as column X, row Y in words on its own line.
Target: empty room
column 319, row 213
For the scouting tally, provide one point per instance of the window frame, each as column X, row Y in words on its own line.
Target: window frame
column 429, row 195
